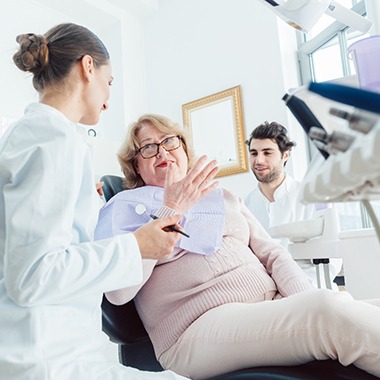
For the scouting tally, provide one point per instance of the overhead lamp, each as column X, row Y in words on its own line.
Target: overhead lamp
column 304, row 14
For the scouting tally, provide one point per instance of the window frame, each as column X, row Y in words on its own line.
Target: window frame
column 306, row 49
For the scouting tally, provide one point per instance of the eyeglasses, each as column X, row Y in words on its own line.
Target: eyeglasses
column 152, row 149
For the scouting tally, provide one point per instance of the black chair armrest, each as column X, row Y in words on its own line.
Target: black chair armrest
column 122, row 323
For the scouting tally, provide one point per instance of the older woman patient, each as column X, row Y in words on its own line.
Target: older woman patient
column 227, row 297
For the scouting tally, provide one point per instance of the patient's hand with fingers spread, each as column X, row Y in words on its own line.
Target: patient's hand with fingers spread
column 185, row 193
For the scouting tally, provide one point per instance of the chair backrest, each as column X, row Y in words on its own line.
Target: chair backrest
column 112, row 185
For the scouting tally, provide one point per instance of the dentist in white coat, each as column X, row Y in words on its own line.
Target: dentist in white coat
column 52, row 274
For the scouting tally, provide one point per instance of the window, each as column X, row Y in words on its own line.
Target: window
column 332, row 41
column 328, row 42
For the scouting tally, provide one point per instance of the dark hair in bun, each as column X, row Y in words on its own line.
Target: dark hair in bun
column 50, row 57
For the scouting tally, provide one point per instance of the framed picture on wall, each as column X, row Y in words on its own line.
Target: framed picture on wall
column 215, row 125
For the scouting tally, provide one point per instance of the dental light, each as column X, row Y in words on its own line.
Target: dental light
column 304, row 14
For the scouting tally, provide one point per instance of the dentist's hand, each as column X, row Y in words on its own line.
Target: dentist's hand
column 184, row 194
column 155, row 240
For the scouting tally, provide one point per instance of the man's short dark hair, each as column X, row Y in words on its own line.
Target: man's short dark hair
column 273, row 131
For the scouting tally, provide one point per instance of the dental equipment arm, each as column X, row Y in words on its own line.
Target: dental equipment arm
column 304, row 14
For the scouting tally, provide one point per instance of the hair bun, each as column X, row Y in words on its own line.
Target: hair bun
column 33, row 54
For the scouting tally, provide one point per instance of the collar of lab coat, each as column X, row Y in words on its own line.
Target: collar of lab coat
column 284, row 188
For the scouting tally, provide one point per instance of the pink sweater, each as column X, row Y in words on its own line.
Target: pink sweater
column 181, row 288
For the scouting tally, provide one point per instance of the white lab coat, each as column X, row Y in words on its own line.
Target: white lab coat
column 52, row 275
column 287, row 208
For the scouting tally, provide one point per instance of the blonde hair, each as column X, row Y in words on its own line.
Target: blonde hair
column 129, row 149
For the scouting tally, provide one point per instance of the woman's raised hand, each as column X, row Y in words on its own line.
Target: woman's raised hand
column 184, row 194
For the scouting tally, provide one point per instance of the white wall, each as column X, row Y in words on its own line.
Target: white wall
column 16, row 89
column 196, row 48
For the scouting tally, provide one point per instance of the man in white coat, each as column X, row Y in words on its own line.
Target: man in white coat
column 275, row 200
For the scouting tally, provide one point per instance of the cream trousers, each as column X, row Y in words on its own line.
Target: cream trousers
column 318, row 324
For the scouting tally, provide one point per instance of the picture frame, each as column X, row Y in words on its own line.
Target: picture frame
column 215, row 124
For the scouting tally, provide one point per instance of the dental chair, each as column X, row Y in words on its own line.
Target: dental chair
column 123, row 326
